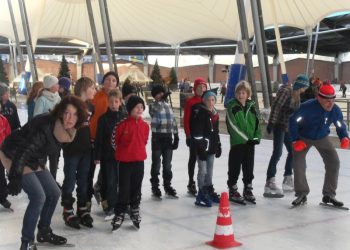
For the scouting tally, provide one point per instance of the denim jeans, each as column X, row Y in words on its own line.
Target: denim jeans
column 167, row 154
column 109, row 183
column 280, row 137
column 43, row 194
column 76, row 170
column 205, row 171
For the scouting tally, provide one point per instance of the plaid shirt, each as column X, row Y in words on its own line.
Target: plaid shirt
column 163, row 119
column 281, row 108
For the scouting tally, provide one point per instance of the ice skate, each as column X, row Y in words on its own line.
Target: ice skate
column 215, row 198
column 332, row 202
column 288, row 184
column 109, row 215
column 300, row 200
column 271, row 190
column 170, row 191
column 248, row 194
column 156, row 193
column 117, row 221
column 202, row 199
column 235, row 196
column 28, row 245
column 191, row 188
column 85, row 217
column 47, row 236
column 135, row 217
column 70, row 219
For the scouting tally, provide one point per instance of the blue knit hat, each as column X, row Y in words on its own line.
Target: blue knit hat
column 302, row 81
column 64, row 82
column 207, row 94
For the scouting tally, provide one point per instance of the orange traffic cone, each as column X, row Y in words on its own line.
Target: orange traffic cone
column 223, row 237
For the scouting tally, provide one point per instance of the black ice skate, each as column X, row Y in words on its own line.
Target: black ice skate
column 45, row 235
column 235, row 196
column 300, row 200
column 191, row 188
column 85, row 217
column 157, row 194
column 215, row 198
column 248, row 194
column 6, row 204
column 28, row 245
column 135, row 217
column 170, row 191
column 70, row 219
column 117, row 221
column 332, row 202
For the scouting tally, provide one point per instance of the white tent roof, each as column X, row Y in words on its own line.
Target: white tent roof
column 169, row 22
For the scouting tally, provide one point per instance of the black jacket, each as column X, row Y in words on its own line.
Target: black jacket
column 204, row 127
column 106, row 123
column 31, row 144
column 9, row 110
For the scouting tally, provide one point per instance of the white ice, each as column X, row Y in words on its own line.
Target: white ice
column 178, row 224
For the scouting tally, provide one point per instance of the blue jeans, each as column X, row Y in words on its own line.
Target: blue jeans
column 280, row 137
column 43, row 194
column 205, row 172
column 76, row 170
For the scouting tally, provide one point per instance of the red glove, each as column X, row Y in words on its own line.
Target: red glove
column 299, row 145
column 344, row 143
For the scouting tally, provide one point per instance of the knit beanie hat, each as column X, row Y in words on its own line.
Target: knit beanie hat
column 49, row 81
column 157, row 89
column 302, row 81
column 327, row 92
column 128, row 89
column 3, row 89
column 111, row 73
column 133, row 101
column 197, row 82
column 207, row 94
column 64, row 82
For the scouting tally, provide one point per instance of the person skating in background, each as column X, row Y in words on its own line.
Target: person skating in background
column 8, row 108
column 77, row 161
column 243, row 126
column 110, row 81
column 5, row 130
column 165, row 139
column 33, row 95
column 343, row 88
column 309, row 126
column 64, row 86
column 104, row 152
column 200, row 85
column 286, row 102
column 223, row 92
column 129, row 140
column 24, row 154
column 204, row 126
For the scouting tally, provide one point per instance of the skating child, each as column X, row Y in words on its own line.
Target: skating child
column 104, row 152
column 8, row 108
column 77, row 158
column 204, row 126
column 164, row 129
column 5, row 130
column 243, row 126
column 130, row 138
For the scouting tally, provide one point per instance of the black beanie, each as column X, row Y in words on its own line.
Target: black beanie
column 111, row 73
column 128, row 89
column 133, row 101
column 157, row 89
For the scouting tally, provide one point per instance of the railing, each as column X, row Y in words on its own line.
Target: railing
column 344, row 105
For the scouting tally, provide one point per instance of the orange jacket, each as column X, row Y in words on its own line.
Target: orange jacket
column 100, row 103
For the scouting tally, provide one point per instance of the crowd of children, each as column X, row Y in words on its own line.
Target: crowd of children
column 114, row 136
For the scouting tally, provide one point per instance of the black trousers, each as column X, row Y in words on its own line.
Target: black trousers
column 130, row 183
column 192, row 162
column 241, row 156
column 109, row 170
column 3, row 184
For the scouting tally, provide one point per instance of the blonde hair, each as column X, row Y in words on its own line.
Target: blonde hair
column 82, row 85
column 115, row 93
column 243, row 86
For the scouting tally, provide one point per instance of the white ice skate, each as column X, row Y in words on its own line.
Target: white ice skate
column 271, row 190
column 288, row 184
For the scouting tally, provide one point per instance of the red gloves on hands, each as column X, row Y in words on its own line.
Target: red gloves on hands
column 344, row 143
column 299, row 145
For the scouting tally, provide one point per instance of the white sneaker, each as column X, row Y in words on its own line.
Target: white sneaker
column 288, row 184
column 271, row 190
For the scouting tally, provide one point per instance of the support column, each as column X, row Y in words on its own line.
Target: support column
column 106, row 34
column 13, row 60
column 260, row 52
column 275, row 68
column 145, row 65
column 308, row 32
column 177, row 56
column 97, row 56
column 314, row 50
column 79, row 59
column 337, row 65
column 211, row 68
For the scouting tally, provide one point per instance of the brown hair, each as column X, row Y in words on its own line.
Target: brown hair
column 115, row 93
column 81, row 107
column 245, row 86
column 34, row 92
column 83, row 84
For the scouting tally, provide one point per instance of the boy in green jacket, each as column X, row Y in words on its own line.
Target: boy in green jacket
column 243, row 126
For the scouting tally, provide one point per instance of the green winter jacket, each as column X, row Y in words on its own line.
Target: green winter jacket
column 242, row 122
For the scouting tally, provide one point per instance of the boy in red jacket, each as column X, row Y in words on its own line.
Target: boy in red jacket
column 5, row 130
column 199, row 87
column 130, row 139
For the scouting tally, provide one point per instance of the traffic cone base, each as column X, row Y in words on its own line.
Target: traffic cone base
column 223, row 244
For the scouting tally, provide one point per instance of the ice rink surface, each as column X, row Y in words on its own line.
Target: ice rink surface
column 178, row 224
